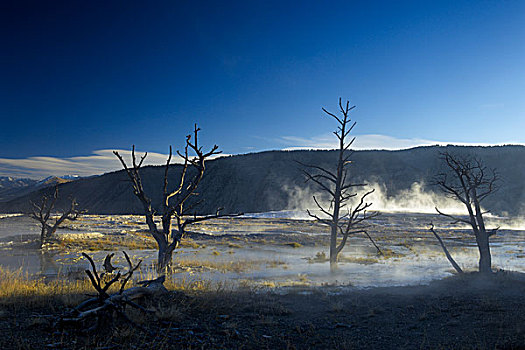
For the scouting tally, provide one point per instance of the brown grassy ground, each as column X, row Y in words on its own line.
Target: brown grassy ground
column 461, row 312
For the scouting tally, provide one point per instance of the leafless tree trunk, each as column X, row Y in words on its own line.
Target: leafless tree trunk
column 470, row 182
column 343, row 219
column 42, row 213
column 174, row 202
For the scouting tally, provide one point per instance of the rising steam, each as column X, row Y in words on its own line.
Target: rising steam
column 412, row 200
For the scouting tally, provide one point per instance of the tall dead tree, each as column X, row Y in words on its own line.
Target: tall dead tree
column 43, row 213
column 175, row 203
column 470, row 182
column 346, row 215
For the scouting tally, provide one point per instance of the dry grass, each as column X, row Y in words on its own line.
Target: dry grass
column 236, row 266
column 107, row 242
column 188, row 243
column 134, row 240
column 189, row 284
column 389, row 253
column 358, row 260
column 16, row 286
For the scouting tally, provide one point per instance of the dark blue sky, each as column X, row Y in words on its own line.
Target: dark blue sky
column 79, row 76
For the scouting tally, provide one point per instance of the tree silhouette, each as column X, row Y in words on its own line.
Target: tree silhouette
column 174, row 202
column 346, row 215
column 470, row 182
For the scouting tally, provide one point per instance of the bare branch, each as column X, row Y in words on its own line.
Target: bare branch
column 323, row 221
column 455, row 219
column 447, row 254
column 208, row 217
column 319, row 183
column 333, row 116
column 325, row 171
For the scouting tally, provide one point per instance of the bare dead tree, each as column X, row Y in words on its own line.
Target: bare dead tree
column 469, row 181
column 174, row 202
column 104, row 306
column 42, row 213
column 346, row 215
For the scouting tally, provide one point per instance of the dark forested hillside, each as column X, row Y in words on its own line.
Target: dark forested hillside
column 271, row 180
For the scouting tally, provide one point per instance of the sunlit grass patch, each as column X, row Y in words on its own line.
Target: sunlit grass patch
column 107, row 242
column 358, row 260
column 275, row 263
column 237, row 266
column 188, row 243
column 268, row 284
column 17, row 286
column 234, row 245
column 303, row 277
column 389, row 254
column 188, row 284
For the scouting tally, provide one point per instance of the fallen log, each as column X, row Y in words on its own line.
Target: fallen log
column 104, row 306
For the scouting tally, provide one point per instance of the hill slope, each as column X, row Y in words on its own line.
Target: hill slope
column 273, row 181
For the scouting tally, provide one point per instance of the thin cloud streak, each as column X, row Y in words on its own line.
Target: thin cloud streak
column 102, row 161
column 371, row 142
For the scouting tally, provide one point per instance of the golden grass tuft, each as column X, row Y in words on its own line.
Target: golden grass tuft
column 389, row 253
column 223, row 266
column 16, row 286
column 358, row 260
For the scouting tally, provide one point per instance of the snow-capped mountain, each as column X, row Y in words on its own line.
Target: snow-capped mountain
column 11, row 187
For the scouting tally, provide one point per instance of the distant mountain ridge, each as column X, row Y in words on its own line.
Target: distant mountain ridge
column 272, row 180
column 59, row 179
column 11, row 188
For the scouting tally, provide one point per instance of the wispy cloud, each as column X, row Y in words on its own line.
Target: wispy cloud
column 101, row 161
column 328, row 141
column 370, row 141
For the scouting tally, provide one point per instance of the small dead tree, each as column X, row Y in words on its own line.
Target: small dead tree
column 469, row 181
column 346, row 215
column 175, row 203
column 104, row 306
column 42, row 213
